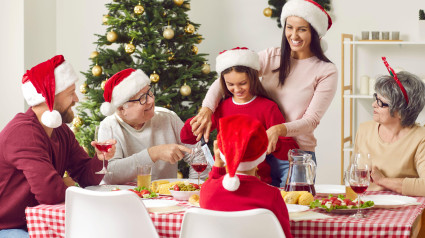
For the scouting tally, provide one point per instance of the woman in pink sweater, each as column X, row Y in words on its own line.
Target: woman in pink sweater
column 297, row 76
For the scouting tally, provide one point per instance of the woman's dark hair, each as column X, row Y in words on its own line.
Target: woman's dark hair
column 285, row 54
column 255, row 86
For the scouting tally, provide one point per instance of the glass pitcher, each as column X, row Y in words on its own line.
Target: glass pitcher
column 302, row 171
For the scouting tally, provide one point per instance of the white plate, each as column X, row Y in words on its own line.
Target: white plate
column 327, row 189
column 107, row 188
column 345, row 211
column 390, row 201
column 159, row 203
column 296, row 208
column 183, row 180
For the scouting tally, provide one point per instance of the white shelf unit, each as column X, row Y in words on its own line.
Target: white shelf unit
column 348, row 92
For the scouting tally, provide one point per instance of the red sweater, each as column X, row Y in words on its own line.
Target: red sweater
column 262, row 109
column 251, row 194
column 32, row 166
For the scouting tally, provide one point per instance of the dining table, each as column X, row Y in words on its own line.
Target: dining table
column 404, row 221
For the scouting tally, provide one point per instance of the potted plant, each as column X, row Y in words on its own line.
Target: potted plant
column 422, row 23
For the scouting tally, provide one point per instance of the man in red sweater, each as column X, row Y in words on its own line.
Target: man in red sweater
column 36, row 147
column 241, row 145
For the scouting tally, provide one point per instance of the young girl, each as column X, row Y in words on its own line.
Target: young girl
column 244, row 94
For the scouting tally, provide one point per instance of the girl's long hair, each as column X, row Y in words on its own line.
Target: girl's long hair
column 285, row 54
column 255, row 86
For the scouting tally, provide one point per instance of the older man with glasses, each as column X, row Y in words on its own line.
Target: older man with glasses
column 145, row 134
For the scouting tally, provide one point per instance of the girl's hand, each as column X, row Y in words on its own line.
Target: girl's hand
column 201, row 124
column 273, row 134
column 218, row 162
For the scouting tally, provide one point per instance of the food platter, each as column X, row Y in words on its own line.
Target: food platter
column 326, row 189
column 108, row 188
column 171, row 180
column 391, row 201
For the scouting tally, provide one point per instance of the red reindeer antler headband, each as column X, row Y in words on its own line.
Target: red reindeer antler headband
column 394, row 75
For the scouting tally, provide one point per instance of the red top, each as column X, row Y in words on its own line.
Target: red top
column 251, row 194
column 262, row 109
column 32, row 166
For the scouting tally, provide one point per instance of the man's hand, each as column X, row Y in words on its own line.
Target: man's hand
column 273, row 134
column 109, row 154
column 171, row 153
column 201, row 124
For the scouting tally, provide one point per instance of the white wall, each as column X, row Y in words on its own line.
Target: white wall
column 230, row 23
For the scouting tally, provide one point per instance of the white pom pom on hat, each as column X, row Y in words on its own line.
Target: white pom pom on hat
column 42, row 82
column 242, row 141
column 121, row 87
column 310, row 11
column 239, row 56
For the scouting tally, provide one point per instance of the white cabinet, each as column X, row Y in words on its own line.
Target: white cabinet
column 364, row 57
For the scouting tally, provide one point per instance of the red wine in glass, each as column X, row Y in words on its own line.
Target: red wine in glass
column 103, row 147
column 199, row 167
column 301, row 187
column 359, row 188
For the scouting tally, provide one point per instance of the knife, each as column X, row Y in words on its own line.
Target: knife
column 207, row 152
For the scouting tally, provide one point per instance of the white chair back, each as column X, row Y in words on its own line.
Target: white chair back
column 255, row 223
column 106, row 214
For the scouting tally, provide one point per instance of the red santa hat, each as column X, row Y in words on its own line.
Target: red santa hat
column 237, row 56
column 42, row 82
column 242, row 141
column 121, row 87
column 310, row 11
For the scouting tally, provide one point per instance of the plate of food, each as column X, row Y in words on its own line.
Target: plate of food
column 162, row 186
column 340, row 204
column 326, row 189
column 292, row 208
column 142, row 192
column 391, row 201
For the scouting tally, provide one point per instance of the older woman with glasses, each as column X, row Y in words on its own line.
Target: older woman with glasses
column 145, row 134
column 393, row 139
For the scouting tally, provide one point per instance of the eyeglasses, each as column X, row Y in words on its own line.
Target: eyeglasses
column 144, row 97
column 379, row 101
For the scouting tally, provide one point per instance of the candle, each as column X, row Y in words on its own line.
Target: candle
column 371, row 86
column 364, row 85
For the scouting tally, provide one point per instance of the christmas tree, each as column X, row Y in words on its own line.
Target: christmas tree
column 156, row 37
column 276, row 8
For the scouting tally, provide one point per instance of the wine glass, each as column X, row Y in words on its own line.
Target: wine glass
column 359, row 177
column 198, row 162
column 105, row 135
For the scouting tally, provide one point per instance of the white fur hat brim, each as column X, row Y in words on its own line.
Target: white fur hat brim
column 65, row 76
column 51, row 119
column 237, row 57
column 126, row 89
column 309, row 12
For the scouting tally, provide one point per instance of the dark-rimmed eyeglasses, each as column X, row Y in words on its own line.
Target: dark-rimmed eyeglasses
column 379, row 101
column 144, row 97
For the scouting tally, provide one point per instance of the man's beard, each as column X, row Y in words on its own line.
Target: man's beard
column 67, row 115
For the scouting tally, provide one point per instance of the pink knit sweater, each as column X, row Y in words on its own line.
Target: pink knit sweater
column 304, row 98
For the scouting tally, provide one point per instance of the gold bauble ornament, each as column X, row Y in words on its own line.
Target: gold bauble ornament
column 139, row 9
column 195, row 49
column 83, row 88
column 96, row 70
column 154, row 77
column 77, row 122
column 74, row 129
column 130, row 48
column 168, row 106
column 206, row 69
column 190, row 29
column 178, row 2
column 94, row 54
column 102, row 85
column 168, row 33
column 112, row 36
column 185, row 90
column 105, row 19
column 187, row 6
column 199, row 39
column 170, row 55
column 267, row 12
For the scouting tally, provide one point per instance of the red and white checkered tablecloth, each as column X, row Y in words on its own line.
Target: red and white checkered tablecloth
column 49, row 221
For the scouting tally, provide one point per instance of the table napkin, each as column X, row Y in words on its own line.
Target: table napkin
column 307, row 215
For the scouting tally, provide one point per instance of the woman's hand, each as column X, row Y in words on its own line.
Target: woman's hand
column 376, row 176
column 218, row 162
column 201, row 124
column 273, row 134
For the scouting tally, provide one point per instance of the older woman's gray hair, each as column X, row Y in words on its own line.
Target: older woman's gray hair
column 415, row 89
